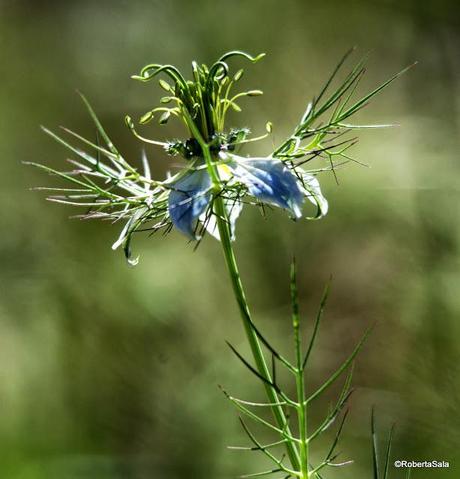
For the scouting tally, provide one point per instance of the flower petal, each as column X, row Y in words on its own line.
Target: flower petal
column 233, row 207
column 188, row 199
column 270, row 180
column 313, row 193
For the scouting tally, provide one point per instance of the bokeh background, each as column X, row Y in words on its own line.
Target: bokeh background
column 112, row 372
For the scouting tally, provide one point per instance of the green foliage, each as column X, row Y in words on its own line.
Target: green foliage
column 206, row 99
column 381, row 470
column 323, row 122
column 109, row 187
column 112, row 189
column 297, row 409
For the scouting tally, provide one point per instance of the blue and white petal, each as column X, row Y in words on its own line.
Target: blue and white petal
column 188, row 199
column 313, row 193
column 269, row 180
column 233, row 207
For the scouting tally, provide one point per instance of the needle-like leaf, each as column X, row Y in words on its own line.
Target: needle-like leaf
column 253, row 370
column 375, row 457
column 317, row 323
column 99, row 126
column 278, row 462
column 341, row 369
column 388, row 453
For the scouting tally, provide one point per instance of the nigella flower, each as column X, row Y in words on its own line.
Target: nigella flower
column 208, row 194
column 266, row 180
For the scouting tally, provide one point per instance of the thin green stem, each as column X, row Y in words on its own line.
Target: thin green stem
column 300, row 381
column 254, row 343
column 237, row 285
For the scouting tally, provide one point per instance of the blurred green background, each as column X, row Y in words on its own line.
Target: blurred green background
column 111, row 372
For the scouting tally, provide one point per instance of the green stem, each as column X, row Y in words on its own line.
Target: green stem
column 237, row 285
column 302, row 404
column 251, row 335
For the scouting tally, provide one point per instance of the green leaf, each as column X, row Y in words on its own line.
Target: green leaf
column 252, row 415
column 337, row 436
column 334, row 412
column 272, row 350
column 333, row 75
column 341, row 369
column 260, row 474
column 363, row 101
column 319, row 316
column 375, row 457
column 99, row 127
column 388, row 452
column 253, row 370
column 98, row 148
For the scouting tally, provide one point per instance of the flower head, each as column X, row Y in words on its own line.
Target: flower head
column 216, row 181
column 264, row 180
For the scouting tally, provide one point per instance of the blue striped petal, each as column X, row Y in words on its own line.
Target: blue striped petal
column 270, row 180
column 188, row 199
column 313, row 193
column 233, row 207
